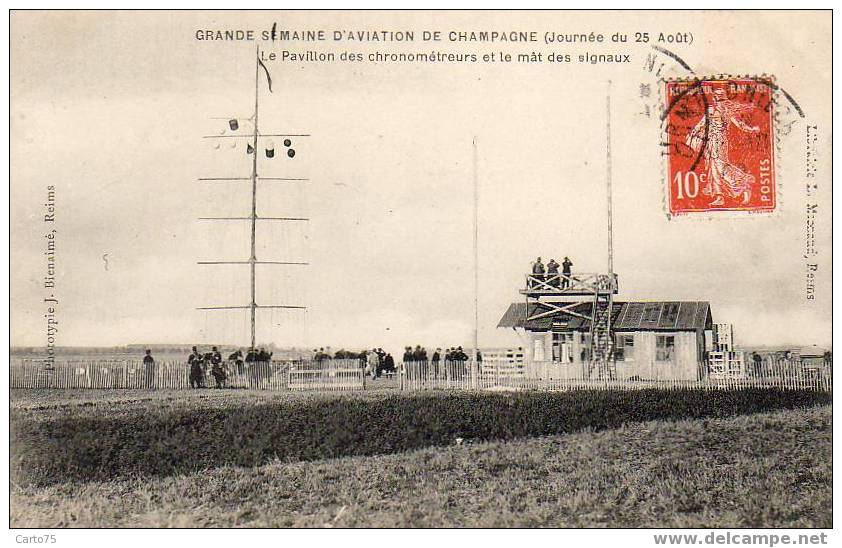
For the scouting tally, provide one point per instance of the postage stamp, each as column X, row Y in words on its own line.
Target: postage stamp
column 720, row 145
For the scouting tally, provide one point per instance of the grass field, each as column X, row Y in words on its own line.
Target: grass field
column 240, row 458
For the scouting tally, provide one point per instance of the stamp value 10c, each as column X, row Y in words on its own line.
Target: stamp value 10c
column 720, row 145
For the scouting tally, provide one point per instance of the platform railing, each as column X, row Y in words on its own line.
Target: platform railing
column 587, row 283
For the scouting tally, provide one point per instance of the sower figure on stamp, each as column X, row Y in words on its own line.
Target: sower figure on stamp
column 723, row 175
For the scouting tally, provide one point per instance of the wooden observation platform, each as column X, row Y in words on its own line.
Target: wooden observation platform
column 553, row 295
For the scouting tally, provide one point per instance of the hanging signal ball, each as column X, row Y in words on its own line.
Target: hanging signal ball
column 291, row 153
column 287, row 142
column 233, row 124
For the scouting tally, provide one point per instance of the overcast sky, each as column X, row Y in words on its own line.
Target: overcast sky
column 111, row 108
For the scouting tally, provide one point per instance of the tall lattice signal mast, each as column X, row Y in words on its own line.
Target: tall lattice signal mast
column 253, row 148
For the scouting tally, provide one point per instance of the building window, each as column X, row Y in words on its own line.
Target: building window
column 538, row 350
column 563, row 347
column 652, row 312
column 624, row 348
column 670, row 315
column 664, row 348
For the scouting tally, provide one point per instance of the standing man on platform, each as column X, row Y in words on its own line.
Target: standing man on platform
column 565, row 272
column 552, row 273
column 538, row 270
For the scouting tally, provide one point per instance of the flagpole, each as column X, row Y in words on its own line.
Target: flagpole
column 251, row 140
column 253, row 259
column 476, row 265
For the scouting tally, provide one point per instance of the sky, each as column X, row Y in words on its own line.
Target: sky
column 111, row 108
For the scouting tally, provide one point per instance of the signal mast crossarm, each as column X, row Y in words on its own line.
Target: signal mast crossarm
column 253, row 217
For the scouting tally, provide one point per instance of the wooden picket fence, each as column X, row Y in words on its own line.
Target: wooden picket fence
column 329, row 375
column 786, row 375
column 336, row 375
column 125, row 374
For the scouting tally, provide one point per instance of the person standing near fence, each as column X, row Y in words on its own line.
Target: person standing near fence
column 757, row 362
column 389, row 363
column 216, row 357
column 237, row 360
column 373, row 363
column 251, row 355
column 196, row 373
column 322, row 356
column 149, row 369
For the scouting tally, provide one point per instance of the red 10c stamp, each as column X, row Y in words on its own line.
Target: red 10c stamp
column 720, row 146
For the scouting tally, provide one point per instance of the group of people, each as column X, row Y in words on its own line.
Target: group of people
column 200, row 363
column 454, row 354
column 549, row 273
column 377, row 361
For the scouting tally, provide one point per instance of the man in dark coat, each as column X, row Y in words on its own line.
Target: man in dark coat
column 216, row 367
column 197, row 376
column 538, row 270
column 149, row 369
column 407, row 355
column 565, row 272
column 389, row 363
column 322, row 356
column 757, row 363
column 552, row 273
column 237, row 360
column 460, row 355
column 436, row 361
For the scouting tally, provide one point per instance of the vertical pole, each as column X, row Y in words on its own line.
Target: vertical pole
column 610, row 346
column 253, row 258
column 608, row 184
column 475, row 366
